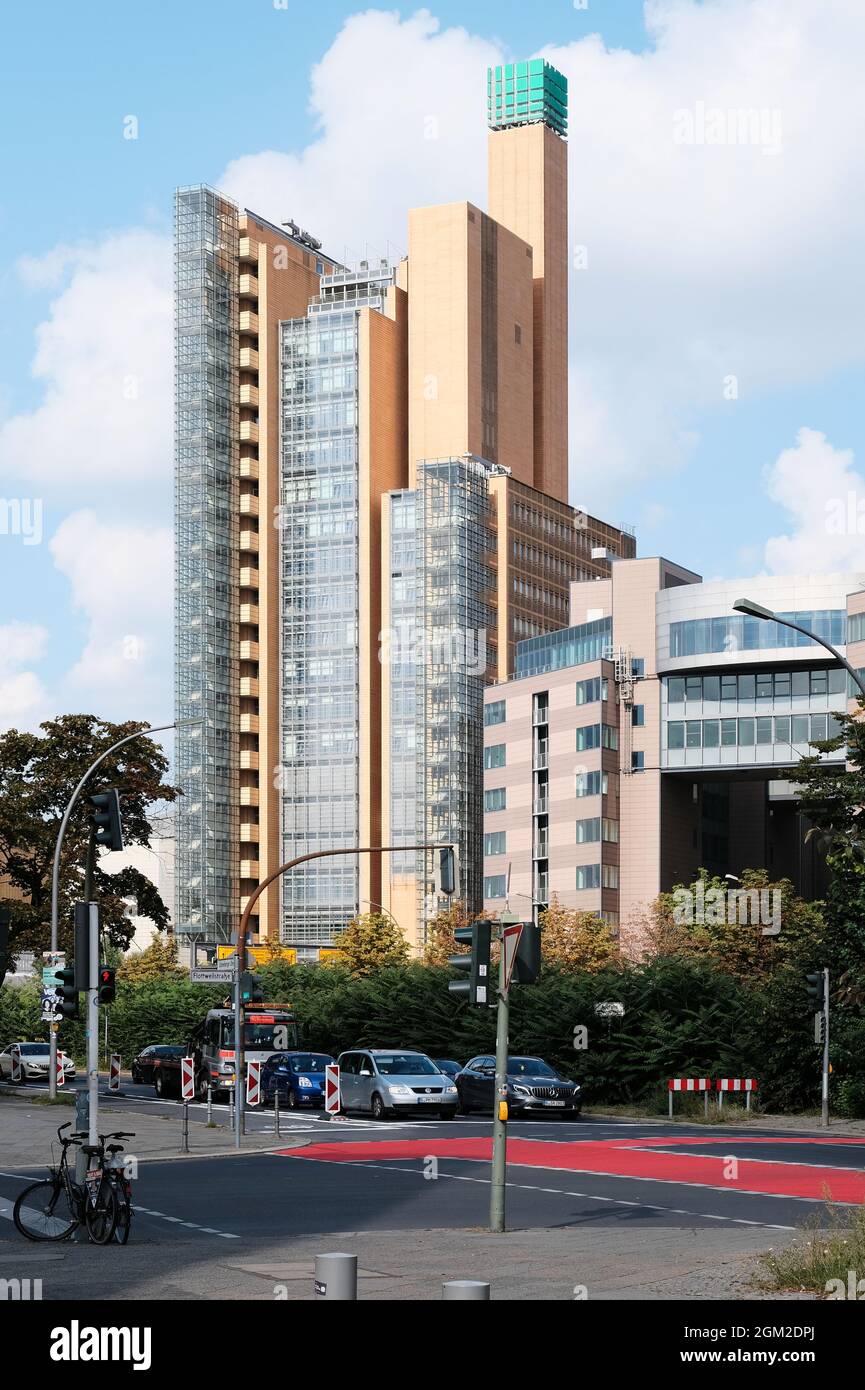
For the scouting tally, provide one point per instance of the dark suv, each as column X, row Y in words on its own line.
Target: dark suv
column 149, row 1057
column 533, row 1085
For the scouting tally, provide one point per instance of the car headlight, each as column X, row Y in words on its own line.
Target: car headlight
column 521, row 1091
column 304, row 1081
column 450, row 1090
column 400, row 1090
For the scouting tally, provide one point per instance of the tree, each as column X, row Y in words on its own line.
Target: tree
column 575, row 940
column 441, row 941
column 38, row 773
column 153, row 963
column 370, row 942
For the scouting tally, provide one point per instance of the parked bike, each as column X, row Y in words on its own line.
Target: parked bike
column 54, row 1207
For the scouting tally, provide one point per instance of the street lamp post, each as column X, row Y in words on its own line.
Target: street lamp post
column 756, row 610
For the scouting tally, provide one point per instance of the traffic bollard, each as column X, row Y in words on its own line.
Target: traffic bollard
column 472, row 1289
column 210, row 1105
column 336, row 1277
column 184, row 1132
column 276, row 1112
column 231, row 1108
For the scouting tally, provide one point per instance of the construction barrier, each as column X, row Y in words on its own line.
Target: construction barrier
column 726, row 1083
column 17, row 1071
column 114, row 1072
column 692, row 1084
column 187, row 1078
column 253, row 1083
column 61, row 1068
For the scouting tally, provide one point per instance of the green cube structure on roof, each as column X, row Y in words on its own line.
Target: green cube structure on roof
column 520, row 93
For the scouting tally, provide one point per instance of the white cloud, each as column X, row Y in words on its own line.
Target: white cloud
column 22, row 694
column 824, row 495
column 704, row 261
column 20, row 644
column 121, row 578
column 104, row 357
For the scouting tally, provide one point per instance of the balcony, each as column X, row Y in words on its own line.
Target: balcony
column 248, row 432
column 249, row 723
column 247, row 249
column 248, row 504
column 250, row 833
column 542, row 849
column 249, row 688
column 249, row 868
column 249, row 651
column 542, row 889
column 248, row 286
column 248, row 359
column 249, row 577
column 248, row 760
column 249, row 467
column 247, row 322
column 541, row 805
column 249, row 795
column 249, row 614
column 249, row 395
column 541, row 754
column 242, row 905
column 249, row 541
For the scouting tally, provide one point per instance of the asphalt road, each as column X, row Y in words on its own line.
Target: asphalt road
column 411, row 1175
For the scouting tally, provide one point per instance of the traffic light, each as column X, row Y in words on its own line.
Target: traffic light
column 814, row 985
column 527, row 966
column 251, row 988
column 107, row 826
column 68, row 992
column 84, row 926
column 448, row 872
column 820, row 1029
column 107, row 985
column 477, row 987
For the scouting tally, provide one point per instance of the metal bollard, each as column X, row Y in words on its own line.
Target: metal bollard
column 336, row 1277
column 209, row 1104
column 184, row 1131
column 231, row 1108
column 473, row 1289
column 276, row 1111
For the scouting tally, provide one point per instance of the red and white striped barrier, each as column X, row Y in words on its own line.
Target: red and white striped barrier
column 187, row 1078
column 727, row 1083
column 253, row 1083
column 114, row 1072
column 17, row 1069
column 690, row 1083
column 61, row 1068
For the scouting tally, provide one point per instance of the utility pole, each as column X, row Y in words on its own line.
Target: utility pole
column 93, row 1026
column 824, row 1115
column 500, row 1104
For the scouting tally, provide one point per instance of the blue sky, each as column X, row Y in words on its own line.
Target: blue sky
column 702, row 264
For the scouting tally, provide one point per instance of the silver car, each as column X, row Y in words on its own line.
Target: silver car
column 394, row 1081
column 35, row 1062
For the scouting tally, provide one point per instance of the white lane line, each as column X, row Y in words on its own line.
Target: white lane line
column 560, row 1192
column 190, row 1225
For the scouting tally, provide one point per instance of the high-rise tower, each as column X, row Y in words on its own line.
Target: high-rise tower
column 527, row 112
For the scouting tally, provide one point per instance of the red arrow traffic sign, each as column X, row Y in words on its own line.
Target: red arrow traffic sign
column 331, row 1090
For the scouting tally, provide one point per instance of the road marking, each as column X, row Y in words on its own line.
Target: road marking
column 190, row 1225
column 561, row 1192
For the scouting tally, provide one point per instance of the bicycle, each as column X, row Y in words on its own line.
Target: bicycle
column 52, row 1208
column 113, row 1167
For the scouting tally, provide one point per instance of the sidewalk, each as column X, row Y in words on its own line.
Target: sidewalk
column 26, row 1143
column 740, row 1119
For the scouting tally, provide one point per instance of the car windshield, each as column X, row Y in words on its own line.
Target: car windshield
column 33, row 1049
column 405, row 1064
column 528, row 1066
column 306, row 1062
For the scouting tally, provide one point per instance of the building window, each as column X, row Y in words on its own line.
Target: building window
column 588, row 737
column 495, row 886
column 588, row 692
column 638, row 667
column 494, row 842
column 610, row 831
column 518, row 333
column 610, row 875
column 541, row 707
column 495, row 712
column 588, row 876
column 495, row 799
column 588, row 831
column 591, row 784
column 494, row 756
column 638, row 716
column 676, row 734
column 638, row 762
column 609, row 736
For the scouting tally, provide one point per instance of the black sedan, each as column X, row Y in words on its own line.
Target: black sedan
column 533, row 1087
column 448, row 1066
column 142, row 1065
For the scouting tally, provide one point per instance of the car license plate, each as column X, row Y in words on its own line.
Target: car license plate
column 429, row 1100
column 554, row 1102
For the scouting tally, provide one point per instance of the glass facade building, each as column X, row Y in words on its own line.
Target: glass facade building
column 518, row 93
column 205, row 589
column 739, row 633
column 570, row 646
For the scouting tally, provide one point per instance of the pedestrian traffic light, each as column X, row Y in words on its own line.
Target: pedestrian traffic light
column 251, row 988
column 107, row 985
column 814, row 985
column 448, row 875
column 107, row 826
column 67, row 991
column 527, row 966
column 477, row 938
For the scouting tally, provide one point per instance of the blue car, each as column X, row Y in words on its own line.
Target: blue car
column 297, row 1076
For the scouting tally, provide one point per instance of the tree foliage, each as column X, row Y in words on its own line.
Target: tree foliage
column 573, row 940
column 370, row 942
column 156, row 961
column 38, row 773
